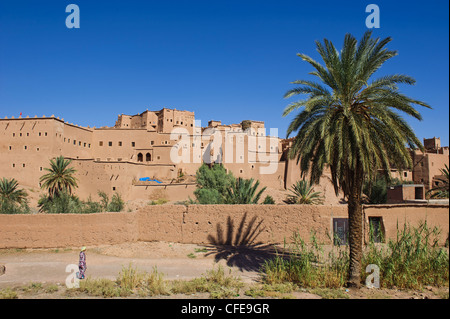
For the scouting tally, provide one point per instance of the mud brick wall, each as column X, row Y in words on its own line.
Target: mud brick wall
column 206, row 224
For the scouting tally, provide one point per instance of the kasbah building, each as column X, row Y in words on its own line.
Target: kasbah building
column 114, row 159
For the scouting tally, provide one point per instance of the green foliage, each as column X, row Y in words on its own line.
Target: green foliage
column 303, row 193
column 10, row 207
column 9, row 191
column 349, row 120
column 412, row 261
column 376, row 190
column 117, row 204
column 59, row 177
column 212, row 184
column 104, row 199
column 160, row 201
column 64, row 203
column 268, row 200
column 243, row 191
column 216, row 186
column 442, row 190
column 12, row 199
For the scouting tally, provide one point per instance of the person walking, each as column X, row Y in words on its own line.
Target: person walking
column 82, row 264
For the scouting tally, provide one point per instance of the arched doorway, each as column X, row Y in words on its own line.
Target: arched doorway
column 140, row 157
column 148, row 157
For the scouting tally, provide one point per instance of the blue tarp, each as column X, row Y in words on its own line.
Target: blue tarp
column 148, row 179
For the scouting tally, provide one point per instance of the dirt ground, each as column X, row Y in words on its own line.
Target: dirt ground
column 32, row 268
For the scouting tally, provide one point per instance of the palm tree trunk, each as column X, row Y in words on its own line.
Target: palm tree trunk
column 355, row 240
column 355, row 221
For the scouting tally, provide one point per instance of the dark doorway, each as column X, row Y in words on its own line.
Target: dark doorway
column 148, row 157
column 340, row 231
column 140, row 157
column 418, row 193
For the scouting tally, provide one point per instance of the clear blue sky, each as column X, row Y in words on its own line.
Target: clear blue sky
column 224, row 60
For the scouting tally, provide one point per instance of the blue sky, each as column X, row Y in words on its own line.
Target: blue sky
column 224, row 60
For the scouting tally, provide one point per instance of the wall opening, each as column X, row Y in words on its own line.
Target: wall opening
column 340, row 231
column 376, row 230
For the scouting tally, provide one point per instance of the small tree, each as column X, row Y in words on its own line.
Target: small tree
column 12, row 199
column 303, row 193
column 212, row 184
column 59, row 177
column 243, row 191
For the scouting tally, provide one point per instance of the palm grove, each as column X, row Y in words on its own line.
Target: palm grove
column 59, row 181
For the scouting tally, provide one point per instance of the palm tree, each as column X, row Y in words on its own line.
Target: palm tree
column 59, row 177
column 243, row 191
column 9, row 191
column 303, row 193
column 351, row 124
column 442, row 189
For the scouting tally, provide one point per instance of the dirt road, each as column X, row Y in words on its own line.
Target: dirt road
column 175, row 261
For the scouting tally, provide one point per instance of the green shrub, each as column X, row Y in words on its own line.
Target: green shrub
column 212, row 184
column 116, row 204
column 412, row 261
column 268, row 200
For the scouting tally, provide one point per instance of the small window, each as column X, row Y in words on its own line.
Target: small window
column 120, row 143
column 28, row 134
column 23, row 165
column 100, row 143
column 133, row 144
column 405, row 174
column 110, row 143
column 10, row 148
column 40, row 168
column 20, row 134
column 41, row 134
column 241, row 171
column 152, row 142
column 114, row 188
column 45, row 133
column 14, row 165
column 14, row 134
column 25, row 147
column 74, row 142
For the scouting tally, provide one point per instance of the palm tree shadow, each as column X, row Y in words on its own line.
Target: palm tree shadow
column 239, row 246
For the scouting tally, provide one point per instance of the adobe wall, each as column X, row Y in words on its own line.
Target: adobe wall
column 67, row 230
column 411, row 214
column 204, row 224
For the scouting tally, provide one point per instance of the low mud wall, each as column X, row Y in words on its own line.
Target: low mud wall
column 205, row 224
